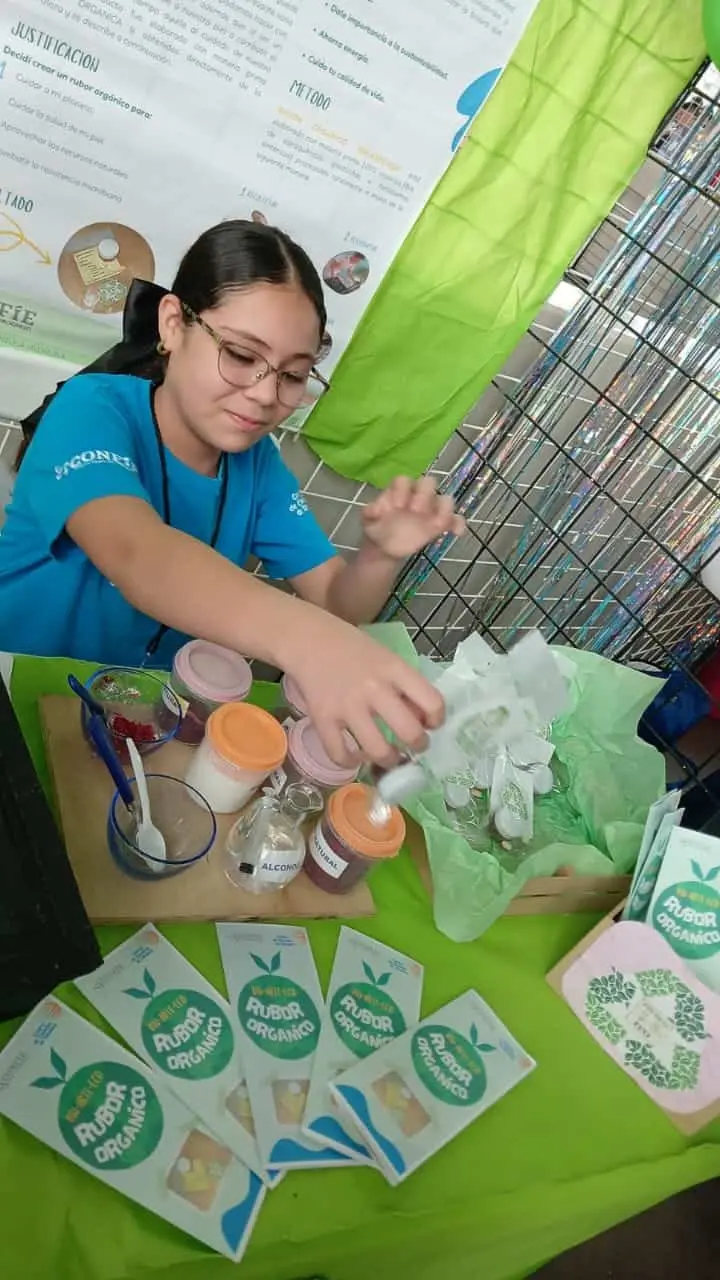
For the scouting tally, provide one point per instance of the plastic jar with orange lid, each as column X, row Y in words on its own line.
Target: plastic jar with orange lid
column 345, row 844
column 242, row 746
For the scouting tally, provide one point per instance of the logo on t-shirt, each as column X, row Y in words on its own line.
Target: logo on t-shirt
column 89, row 458
column 298, row 505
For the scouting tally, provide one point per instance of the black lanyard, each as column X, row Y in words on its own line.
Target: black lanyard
column 162, row 631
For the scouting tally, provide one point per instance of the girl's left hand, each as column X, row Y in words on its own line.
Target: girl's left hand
column 409, row 515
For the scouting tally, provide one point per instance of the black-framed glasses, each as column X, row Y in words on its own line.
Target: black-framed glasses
column 242, row 367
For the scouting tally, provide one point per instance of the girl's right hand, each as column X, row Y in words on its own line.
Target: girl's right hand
column 350, row 683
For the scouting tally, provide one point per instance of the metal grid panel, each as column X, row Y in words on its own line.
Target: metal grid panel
column 590, row 491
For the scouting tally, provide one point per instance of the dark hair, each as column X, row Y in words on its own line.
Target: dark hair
column 229, row 256
column 236, row 254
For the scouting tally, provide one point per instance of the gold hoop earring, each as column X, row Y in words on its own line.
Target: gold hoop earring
column 162, row 349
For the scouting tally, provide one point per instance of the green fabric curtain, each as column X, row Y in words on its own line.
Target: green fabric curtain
column 566, row 128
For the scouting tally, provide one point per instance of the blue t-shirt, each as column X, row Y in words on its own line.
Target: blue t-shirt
column 97, row 440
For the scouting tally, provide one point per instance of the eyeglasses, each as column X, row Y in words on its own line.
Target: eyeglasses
column 240, row 367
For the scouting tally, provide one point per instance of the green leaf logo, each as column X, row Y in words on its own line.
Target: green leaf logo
column 143, row 993
column 475, row 1042
column 52, row 1082
column 697, row 870
column 712, row 874
column 272, row 967
column 377, row 980
column 58, row 1064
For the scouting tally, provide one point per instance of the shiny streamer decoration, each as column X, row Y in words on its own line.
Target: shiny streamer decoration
column 608, row 478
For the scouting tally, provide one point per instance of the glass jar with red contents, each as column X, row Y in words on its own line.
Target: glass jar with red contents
column 345, row 844
column 137, row 704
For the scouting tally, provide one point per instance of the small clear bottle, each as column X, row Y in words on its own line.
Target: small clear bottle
column 265, row 848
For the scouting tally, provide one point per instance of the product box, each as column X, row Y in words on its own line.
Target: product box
column 685, row 906
column 414, row 1095
column 642, row 1004
column 373, row 997
column 93, row 1102
column 181, row 1027
column 277, row 1005
column 663, row 816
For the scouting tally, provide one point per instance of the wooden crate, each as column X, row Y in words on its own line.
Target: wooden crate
column 561, row 894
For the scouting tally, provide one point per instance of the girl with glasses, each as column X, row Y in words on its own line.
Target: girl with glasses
column 149, row 481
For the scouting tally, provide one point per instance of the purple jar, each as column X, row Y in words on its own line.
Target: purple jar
column 205, row 676
column 292, row 705
column 308, row 762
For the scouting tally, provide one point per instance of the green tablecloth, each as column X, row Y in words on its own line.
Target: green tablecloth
column 572, row 1151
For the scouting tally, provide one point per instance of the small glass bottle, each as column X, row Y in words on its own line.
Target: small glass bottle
column 265, row 848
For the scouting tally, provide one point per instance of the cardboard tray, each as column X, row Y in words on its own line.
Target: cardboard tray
column 84, row 790
column 563, row 894
column 687, row 1122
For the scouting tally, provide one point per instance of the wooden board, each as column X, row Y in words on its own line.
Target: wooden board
column 561, row 894
column 203, row 892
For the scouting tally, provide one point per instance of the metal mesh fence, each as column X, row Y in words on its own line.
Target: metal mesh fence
column 591, row 492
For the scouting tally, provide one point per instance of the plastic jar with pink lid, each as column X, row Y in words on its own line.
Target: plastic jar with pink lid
column 345, row 844
column 292, row 705
column 307, row 761
column 204, row 677
column 242, row 746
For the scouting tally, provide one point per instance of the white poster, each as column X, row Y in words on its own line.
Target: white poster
column 127, row 128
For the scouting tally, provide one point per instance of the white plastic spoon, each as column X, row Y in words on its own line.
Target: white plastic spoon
column 149, row 839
